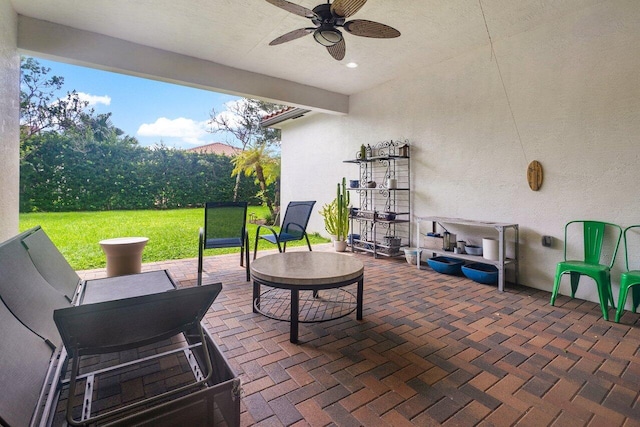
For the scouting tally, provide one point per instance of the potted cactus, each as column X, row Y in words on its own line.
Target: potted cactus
column 336, row 217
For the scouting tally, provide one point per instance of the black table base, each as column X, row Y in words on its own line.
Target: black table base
column 307, row 304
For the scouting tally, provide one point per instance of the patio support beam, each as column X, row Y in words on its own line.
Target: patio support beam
column 9, row 122
column 67, row 44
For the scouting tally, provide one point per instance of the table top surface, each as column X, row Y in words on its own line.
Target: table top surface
column 124, row 241
column 307, row 268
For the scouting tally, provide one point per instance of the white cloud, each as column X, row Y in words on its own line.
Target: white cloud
column 190, row 131
column 94, row 99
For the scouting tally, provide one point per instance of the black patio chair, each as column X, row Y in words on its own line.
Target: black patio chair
column 294, row 227
column 132, row 323
column 224, row 227
column 24, row 367
column 26, row 293
column 50, row 263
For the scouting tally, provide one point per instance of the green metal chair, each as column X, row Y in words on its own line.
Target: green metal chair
column 592, row 265
column 628, row 279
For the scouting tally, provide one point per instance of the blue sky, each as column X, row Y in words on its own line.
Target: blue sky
column 149, row 110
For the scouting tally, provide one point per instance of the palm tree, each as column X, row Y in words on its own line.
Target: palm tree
column 241, row 119
column 264, row 166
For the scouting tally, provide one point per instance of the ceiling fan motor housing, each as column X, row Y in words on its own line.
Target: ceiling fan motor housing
column 325, row 16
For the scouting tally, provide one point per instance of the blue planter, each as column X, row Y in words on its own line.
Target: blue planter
column 481, row 273
column 445, row 265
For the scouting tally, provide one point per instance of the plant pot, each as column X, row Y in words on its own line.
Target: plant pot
column 473, row 249
column 393, row 241
column 481, row 273
column 412, row 255
column 446, row 265
column 340, row 245
column 387, row 216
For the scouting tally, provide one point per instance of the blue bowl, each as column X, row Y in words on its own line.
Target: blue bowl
column 481, row 273
column 445, row 265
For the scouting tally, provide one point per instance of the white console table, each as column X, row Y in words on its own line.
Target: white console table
column 502, row 228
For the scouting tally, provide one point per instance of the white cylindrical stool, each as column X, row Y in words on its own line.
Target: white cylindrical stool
column 124, row 255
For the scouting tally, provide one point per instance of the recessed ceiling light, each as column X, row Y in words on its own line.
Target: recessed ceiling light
column 352, row 65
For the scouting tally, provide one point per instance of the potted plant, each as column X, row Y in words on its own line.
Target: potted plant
column 336, row 217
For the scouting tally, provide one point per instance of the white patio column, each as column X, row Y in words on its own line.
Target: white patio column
column 9, row 121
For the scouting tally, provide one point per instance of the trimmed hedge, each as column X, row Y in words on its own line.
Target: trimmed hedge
column 62, row 175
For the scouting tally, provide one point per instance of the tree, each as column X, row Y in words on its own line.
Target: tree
column 241, row 119
column 40, row 108
column 261, row 163
column 99, row 127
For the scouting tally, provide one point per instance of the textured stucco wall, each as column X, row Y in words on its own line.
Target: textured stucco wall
column 9, row 121
column 574, row 92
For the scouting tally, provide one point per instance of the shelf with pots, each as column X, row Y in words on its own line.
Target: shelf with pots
column 377, row 189
column 499, row 258
column 381, row 215
column 388, row 217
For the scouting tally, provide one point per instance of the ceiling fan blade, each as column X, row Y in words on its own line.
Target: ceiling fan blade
column 291, row 35
column 364, row 28
column 338, row 50
column 293, row 8
column 346, row 8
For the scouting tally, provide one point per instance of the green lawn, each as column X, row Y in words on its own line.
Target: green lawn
column 173, row 234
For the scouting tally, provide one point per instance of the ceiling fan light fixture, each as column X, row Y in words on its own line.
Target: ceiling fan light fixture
column 327, row 35
column 326, row 19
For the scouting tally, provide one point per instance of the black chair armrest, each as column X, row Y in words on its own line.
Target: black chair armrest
column 271, row 229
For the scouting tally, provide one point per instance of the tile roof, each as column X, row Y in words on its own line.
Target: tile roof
column 216, row 148
column 279, row 116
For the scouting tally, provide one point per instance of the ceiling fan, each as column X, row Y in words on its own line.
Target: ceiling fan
column 327, row 18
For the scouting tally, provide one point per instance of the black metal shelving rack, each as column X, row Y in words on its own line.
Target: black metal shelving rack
column 382, row 215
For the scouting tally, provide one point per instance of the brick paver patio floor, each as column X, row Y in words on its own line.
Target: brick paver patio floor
column 432, row 349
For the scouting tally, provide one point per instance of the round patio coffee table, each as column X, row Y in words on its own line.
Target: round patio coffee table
column 289, row 274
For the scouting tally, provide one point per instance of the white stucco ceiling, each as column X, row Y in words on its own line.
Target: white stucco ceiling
column 237, row 33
